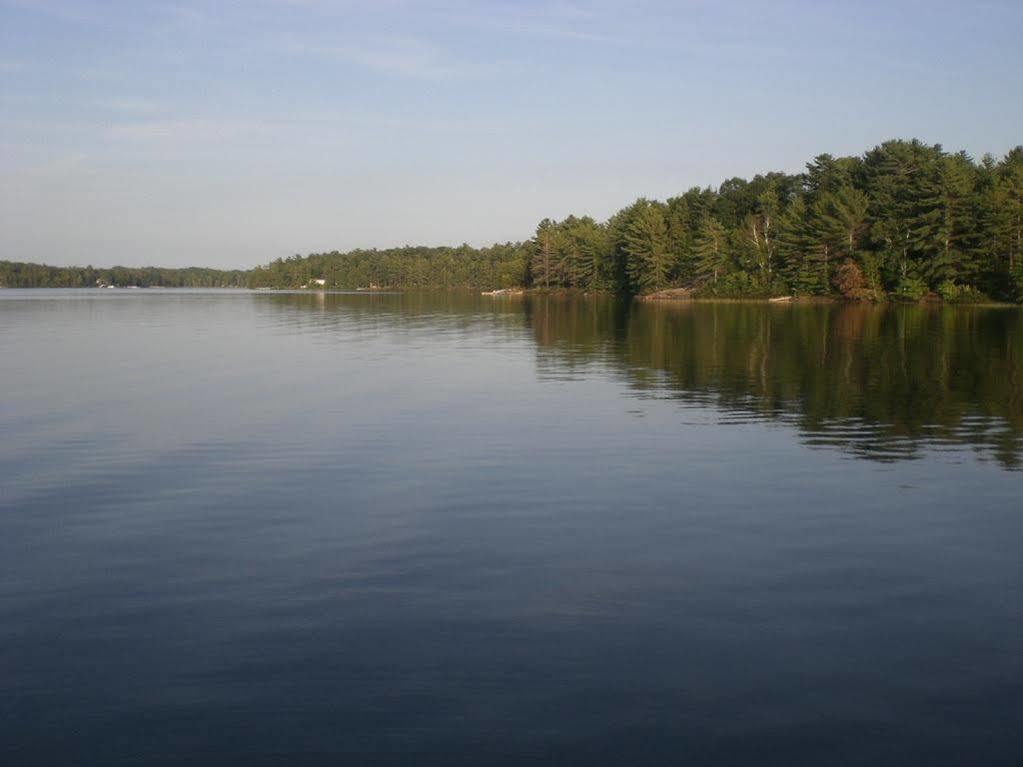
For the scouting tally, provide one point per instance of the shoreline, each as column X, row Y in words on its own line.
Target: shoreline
column 667, row 297
column 684, row 296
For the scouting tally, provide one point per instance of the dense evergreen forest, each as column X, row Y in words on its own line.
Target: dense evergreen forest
column 20, row 275
column 906, row 219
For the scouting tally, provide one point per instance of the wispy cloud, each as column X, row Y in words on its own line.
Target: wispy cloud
column 185, row 14
column 62, row 10
column 567, row 21
column 543, row 30
column 405, row 57
column 184, row 131
column 132, row 106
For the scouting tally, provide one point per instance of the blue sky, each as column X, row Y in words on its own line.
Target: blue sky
column 230, row 132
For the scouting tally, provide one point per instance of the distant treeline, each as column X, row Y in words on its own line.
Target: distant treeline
column 905, row 219
column 20, row 275
column 409, row 267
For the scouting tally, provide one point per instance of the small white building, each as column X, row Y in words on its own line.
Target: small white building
column 319, row 282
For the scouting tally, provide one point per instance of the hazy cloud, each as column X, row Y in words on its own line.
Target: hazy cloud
column 542, row 30
column 569, row 21
column 63, row 10
column 185, row 131
column 405, row 57
column 135, row 106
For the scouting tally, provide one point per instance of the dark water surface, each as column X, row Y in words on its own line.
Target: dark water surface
column 248, row 528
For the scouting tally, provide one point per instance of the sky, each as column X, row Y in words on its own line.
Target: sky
column 228, row 133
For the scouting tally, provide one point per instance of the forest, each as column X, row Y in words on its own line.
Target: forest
column 905, row 220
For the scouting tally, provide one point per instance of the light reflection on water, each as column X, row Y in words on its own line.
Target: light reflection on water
column 247, row 528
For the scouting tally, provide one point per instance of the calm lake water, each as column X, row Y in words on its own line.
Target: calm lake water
column 257, row 528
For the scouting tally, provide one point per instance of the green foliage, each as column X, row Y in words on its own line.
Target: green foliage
column 1016, row 282
column 870, row 266
column 546, row 254
column 948, row 290
column 843, row 220
column 954, row 293
column 645, row 247
column 911, row 288
column 763, row 232
column 681, row 233
column 711, row 258
column 737, row 285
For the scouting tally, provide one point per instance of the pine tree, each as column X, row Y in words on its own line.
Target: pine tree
column 942, row 222
column 646, row 247
column 680, row 239
column 898, row 180
column 545, row 254
column 820, row 238
column 585, row 252
column 825, row 175
column 710, row 251
column 796, row 254
column 844, row 220
column 1010, row 183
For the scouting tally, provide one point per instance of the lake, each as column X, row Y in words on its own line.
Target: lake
column 254, row 528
